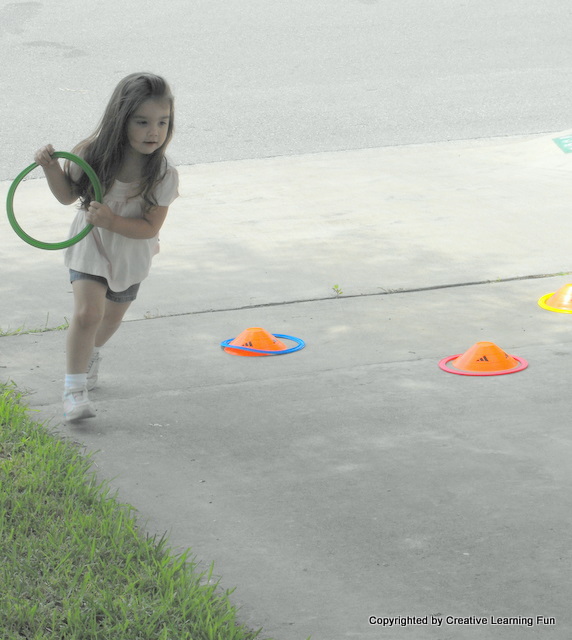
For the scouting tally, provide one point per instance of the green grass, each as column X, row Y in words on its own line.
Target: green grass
column 73, row 563
column 22, row 330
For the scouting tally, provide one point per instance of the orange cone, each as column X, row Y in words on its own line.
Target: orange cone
column 483, row 359
column 255, row 338
column 560, row 301
column 485, row 356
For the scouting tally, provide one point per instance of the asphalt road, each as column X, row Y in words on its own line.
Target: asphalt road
column 261, row 78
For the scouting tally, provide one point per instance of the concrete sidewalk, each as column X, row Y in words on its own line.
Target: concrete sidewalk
column 353, row 479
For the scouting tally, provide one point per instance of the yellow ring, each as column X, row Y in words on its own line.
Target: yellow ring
column 542, row 303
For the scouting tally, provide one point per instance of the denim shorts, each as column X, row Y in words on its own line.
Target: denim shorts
column 115, row 296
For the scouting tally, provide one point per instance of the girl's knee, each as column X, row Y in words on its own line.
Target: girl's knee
column 88, row 317
column 89, row 303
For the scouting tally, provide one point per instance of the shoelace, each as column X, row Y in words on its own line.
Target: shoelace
column 77, row 395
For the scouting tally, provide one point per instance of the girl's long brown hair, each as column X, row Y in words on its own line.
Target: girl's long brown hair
column 105, row 148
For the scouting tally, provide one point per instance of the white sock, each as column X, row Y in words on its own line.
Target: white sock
column 75, row 380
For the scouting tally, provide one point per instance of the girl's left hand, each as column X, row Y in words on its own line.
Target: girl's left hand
column 100, row 215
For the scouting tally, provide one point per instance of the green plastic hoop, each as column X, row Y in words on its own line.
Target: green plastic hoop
column 10, row 203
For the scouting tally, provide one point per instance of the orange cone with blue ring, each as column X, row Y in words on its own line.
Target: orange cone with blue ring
column 255, row 338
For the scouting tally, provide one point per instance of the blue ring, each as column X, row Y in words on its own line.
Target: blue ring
column 300, row 344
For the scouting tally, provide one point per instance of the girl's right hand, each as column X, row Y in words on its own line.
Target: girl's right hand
column 44, row 156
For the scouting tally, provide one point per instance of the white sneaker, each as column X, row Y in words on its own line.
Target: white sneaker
column 77, row 405
column 92, row 372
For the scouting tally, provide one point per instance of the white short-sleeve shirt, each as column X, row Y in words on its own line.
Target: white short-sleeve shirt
column 121, row 261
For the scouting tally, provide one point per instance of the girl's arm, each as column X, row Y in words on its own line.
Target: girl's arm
column 58, row 181
column 143, row 228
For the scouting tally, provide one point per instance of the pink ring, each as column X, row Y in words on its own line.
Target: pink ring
column 443, row 365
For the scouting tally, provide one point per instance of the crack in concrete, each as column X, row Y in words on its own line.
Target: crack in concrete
column 384, row 292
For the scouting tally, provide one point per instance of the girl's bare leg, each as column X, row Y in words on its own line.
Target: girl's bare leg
column 111, row 321
column 89, row 309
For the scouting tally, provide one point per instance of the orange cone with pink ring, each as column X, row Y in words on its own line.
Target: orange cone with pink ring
column 483, row 359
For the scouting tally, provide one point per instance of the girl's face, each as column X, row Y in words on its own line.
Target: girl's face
column 148, row 126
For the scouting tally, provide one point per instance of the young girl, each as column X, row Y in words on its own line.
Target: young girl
column 127, row 152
